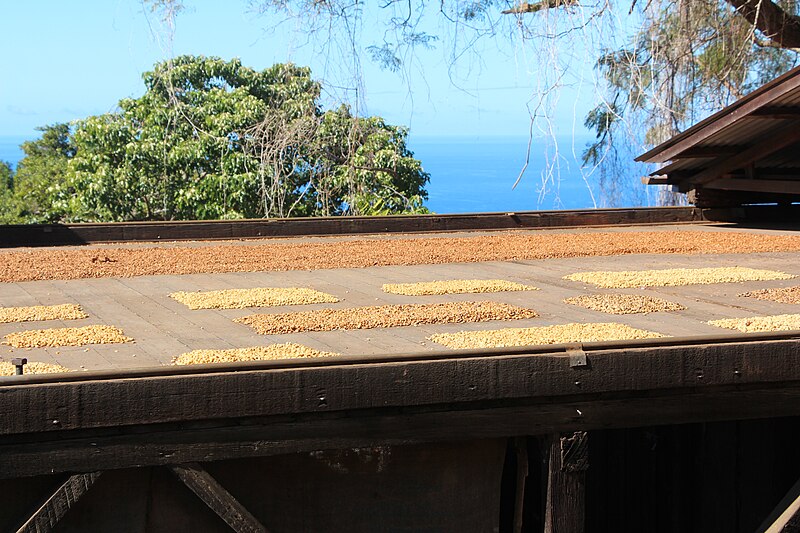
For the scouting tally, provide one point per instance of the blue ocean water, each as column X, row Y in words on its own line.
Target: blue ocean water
column 10, row 151
column 472, row 174
column 477, row 175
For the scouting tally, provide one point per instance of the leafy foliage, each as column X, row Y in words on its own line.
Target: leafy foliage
column 213, row 139
column 36, row 191
column 663, row 64
column 688, row 60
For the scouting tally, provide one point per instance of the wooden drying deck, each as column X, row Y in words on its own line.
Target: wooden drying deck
column 163, row 328
column 674, row 434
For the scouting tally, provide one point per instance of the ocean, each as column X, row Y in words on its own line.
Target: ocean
column 477, row 175
column 473, row 175
column 10, row 151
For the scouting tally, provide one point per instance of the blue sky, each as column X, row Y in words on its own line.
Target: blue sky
column 68, row 60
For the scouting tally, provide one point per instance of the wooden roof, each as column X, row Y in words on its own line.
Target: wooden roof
column 752, row 145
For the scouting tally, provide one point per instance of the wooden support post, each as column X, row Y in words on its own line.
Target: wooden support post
column 785, row 518
column 217, row 498
column 521, row 450
column 568, row 460
column 63, row 499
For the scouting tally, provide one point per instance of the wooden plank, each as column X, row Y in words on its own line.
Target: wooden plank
column 63, row 499
column 236, row 438
column 784, row 518
column 217, row 498
column 777, row 113
column 701, row 152
column 568, row 460
column 755, row 185
column 364, row 385
column 767, row 144
column 59, row 234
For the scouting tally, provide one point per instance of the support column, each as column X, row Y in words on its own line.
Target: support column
column 567, row 462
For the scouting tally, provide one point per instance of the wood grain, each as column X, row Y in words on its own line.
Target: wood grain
column 217, row 498
column 63, row 499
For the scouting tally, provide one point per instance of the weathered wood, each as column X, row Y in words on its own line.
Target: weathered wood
column 160, row 445
column 293, row 391
column 777, row 113
column 65, row 497
column 766, row 145
column 702, row 152
column 568, row 461
column 209, row 416
column 58, row 234
column 784, row 517
column 217, row 498
column 521, row 451
column 756, row 185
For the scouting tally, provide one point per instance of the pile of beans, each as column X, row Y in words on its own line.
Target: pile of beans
column 258, row 297
column 384, row 316
column 623, row 304
column 455, row 286
column 565, row 333
column 675, row 276
column 256, row 353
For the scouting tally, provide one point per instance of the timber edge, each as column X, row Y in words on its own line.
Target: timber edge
column 112, row 422
column 88, row 233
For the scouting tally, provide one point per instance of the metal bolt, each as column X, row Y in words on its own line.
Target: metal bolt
column 19, row 363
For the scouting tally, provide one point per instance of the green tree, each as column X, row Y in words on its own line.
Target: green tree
column 214, row 139
column 37, row 191
column 363, row 166
column 6, row 192
column 663, row 64
column 6, row 176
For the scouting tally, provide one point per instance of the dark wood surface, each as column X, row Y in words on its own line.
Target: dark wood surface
column 219, row 500
column 435, row 487
column 164, row 420
column 568, row 461
column 60, row 234
column 47, row 517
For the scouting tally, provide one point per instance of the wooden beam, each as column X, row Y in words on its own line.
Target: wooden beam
column 63, row 499
column 237, row 438
column 568, row 460
column 755, row 185
column 655, row 180
column 702, row 152
column 521, row 451
column 777, row 113
column 786, row 513
column 217, row 498
column 469, row 379
column 58, row 234
column 769, row 144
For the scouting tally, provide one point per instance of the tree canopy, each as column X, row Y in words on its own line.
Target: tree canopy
column 214, row 139
column 661, row 65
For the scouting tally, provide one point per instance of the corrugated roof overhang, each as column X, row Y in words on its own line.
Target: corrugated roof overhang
column 753, row 145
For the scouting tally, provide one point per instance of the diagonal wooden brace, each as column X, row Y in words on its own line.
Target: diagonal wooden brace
column 217, row 498
column 63, row 499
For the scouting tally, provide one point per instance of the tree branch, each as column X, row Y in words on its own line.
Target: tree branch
column 525, row 7
column 770, row 19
